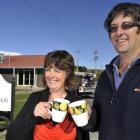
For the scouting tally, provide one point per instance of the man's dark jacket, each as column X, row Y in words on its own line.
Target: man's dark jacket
column 22, row 128
column 118, row 111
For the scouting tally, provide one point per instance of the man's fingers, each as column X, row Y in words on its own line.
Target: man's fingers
column 137, row 89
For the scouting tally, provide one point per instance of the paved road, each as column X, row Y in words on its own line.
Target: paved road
column 93, row 136
column 2, row 135
column 89, row 98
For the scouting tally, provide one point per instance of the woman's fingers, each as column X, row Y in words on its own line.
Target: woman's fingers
column 42, row 110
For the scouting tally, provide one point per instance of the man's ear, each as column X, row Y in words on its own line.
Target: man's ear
column 138, row 31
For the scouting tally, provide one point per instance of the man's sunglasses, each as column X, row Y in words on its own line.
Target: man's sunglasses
column 124, row 26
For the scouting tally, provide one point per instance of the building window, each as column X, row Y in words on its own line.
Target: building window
column 20, row 78
column 25, row 77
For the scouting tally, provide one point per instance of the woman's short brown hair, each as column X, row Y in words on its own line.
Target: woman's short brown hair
column 62, row 60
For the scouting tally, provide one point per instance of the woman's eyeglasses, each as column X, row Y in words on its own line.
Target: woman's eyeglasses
column 124, row 26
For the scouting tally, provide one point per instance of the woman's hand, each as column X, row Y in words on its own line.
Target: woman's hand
column 42, row 110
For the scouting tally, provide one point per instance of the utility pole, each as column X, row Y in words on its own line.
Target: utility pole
column 77, row 53
column 95, row 58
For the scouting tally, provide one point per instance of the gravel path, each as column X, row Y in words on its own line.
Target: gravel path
column 94, row 136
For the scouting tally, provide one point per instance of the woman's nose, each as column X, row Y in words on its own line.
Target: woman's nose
column 51, row 74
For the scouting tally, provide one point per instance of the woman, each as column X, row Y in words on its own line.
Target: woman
column 34, row 120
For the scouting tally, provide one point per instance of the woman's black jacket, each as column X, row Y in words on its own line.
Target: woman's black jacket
column 22, row 128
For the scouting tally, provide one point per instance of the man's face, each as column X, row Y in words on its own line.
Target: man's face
column 125, row 36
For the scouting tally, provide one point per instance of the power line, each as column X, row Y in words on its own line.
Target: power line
column 55, row 18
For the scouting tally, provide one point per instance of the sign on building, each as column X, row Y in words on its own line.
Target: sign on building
column 7, row 95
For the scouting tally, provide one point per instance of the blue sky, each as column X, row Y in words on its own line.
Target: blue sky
column 39, row 26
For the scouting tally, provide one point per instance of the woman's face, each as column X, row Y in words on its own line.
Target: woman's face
column 55, row 79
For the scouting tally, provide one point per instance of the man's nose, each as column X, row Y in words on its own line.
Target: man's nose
column 119, row 30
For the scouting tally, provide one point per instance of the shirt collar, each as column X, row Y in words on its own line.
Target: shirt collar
column 117, row 62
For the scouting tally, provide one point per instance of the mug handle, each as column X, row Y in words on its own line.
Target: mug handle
column 51, row 103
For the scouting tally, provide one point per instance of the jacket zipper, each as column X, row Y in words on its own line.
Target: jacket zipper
column 110, row 76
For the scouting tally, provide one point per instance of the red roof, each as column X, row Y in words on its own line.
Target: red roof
column 23, row 61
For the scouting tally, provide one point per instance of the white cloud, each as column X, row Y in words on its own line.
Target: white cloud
column 9, row 53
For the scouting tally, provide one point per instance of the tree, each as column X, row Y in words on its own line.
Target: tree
column 82, row 68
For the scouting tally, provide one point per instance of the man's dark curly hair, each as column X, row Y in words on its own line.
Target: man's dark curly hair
column 127, row 9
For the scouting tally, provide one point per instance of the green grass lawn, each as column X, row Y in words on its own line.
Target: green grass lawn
column 20, row 99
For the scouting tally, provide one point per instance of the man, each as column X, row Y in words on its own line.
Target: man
column 117, row 96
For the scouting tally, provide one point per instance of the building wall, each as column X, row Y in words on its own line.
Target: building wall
column 8, row 74
column 40, row 77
